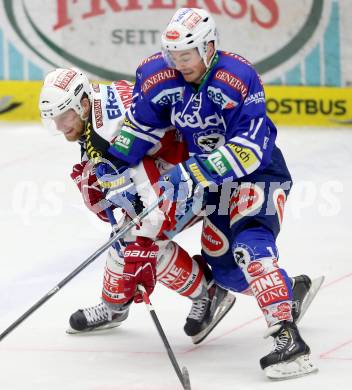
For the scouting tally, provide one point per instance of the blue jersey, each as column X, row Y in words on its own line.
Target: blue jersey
column 223, row 121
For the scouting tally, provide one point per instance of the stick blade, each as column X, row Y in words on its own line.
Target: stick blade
column 186, row 380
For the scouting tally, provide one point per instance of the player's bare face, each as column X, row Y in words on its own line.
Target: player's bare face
column 70, row 124
column 190, row 64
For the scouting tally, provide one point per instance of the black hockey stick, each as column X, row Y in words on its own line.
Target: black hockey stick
column 126, row 228
column 183, row 375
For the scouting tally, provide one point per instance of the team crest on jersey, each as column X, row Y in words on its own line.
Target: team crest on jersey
column 209, row 140
column 219, row 98
column 169, row 96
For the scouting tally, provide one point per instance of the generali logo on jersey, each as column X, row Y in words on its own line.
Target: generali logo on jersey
column 109, row 38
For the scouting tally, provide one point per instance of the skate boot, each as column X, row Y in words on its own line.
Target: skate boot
column 290, row 356
column 304, row 291
column 98, row 317
column 207, row 312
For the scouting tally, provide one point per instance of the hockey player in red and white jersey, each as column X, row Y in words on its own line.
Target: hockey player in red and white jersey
column 92, row 115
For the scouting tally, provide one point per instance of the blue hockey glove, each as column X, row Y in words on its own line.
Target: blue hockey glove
column 182, row 180
column 177, row 183
column 119, row 188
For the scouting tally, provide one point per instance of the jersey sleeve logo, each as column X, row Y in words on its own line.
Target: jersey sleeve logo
column 255, row 98
column 245, row 156
column 123, row 142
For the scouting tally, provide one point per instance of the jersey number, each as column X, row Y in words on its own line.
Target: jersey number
column 254, row 128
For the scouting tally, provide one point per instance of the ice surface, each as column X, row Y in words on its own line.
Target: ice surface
column 45, row 232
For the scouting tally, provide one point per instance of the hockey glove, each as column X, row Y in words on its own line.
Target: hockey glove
column 181, row 181
column 140, row 267
column 119, row 188
column 83, row 175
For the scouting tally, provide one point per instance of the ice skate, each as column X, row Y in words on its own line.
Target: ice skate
column 290, row 357
column 97, row 318
column 207, row 312
column 304, row 291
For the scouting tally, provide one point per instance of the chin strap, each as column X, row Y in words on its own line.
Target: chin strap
column 212, row 62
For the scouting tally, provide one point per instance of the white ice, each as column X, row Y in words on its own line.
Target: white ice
column 45, row 232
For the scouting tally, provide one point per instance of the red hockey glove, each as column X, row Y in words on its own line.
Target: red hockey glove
column 83, row 175
column 140, row 267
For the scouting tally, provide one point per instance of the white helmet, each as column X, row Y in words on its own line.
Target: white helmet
column 190, row 28
column 63, row 90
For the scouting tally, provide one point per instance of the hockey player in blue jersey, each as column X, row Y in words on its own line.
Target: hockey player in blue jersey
column 216, row 101
column 92, row 115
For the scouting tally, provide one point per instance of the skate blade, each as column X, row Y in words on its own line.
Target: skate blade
column 222, row 310
column 314, row 288
column 110, row 325
column 293, row 369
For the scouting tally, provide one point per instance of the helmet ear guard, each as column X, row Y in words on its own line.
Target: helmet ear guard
column 190, row 28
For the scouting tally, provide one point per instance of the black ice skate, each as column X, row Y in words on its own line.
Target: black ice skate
column 207, row 312
column 97, row 317
column 304, row 291
column 290, row 356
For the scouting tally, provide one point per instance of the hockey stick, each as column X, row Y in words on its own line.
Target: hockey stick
column 183, row 375
column 126, row 228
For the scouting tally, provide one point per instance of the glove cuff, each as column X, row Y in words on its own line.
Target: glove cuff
column 198, row 173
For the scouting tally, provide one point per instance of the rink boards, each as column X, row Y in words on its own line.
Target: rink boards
column 286, row 105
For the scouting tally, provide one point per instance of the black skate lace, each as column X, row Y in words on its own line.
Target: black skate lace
column 198, row 309
column 96, row 314
column 295, row 305
column 281, row 341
